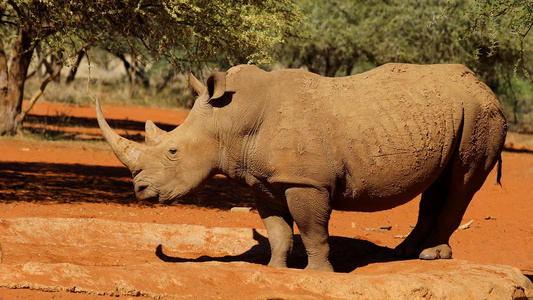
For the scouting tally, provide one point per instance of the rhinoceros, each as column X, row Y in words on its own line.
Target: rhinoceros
column 308, row 144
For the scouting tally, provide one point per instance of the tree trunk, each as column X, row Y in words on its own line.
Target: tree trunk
column 166, row 79
column 349, row 63
column 11, row 95
column 20, row 117
column 75, row 67
column 133, row 75
column 333, row 62
column 3, row 71
column 133, row 70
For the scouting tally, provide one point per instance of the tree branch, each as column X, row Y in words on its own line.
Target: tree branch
column 38, row 94
column 74, row 68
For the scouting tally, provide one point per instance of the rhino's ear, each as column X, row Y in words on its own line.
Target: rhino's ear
column 198, row 87
column 216, row 85
column 153, row 133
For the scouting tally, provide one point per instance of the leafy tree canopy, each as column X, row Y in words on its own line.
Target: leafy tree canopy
column 344, row 34
column 183, row 31
column 507, row 21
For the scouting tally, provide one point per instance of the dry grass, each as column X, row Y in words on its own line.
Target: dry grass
column 110, row 81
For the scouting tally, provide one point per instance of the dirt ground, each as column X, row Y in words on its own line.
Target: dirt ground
column 74, row 174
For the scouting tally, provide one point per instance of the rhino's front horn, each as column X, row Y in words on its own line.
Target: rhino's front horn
column 126, row 151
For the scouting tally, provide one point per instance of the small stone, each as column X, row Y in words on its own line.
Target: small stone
column 467, row 225
column 241, row 209
column 369, row 229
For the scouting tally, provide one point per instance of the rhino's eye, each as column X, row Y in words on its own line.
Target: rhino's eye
column 173, row 151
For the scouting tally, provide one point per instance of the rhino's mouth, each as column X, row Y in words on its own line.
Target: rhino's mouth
column 144, row 191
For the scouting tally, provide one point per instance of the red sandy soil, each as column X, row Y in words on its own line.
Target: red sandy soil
column 74, row 174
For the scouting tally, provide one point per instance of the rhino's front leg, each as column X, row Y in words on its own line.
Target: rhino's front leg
column 311, row 210
column 279, row 226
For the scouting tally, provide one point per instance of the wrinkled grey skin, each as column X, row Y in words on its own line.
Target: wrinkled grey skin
column 307, row 144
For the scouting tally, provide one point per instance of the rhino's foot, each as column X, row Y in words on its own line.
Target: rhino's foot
column 278, row 263
column 326, row 266
column 441, row 251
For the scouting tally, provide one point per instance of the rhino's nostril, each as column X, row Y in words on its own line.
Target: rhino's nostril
column 140, row 187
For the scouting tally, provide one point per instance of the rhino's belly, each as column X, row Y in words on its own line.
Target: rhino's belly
column 365, row 201
column 387, row 182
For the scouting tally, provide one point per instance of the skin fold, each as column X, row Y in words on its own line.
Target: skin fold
column 307, row 144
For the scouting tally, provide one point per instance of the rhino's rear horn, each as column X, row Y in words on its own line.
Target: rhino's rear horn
column 153, row 133
column 198, row 87
column 126, row 151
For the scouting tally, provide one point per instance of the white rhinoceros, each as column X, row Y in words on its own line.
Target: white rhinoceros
column 307, row 144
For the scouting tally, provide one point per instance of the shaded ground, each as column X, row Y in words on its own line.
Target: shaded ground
column 73, row 174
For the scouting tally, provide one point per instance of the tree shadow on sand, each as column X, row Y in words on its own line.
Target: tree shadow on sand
column 53, row 127
column 75, row 183
column 66, row 120
column 346, row 254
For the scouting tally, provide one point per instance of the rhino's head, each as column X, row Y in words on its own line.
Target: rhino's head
column 169, row 165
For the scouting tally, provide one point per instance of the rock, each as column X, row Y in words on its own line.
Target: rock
column 450, row 279
column 103, row 257
column 466, row 225
column 124, row 236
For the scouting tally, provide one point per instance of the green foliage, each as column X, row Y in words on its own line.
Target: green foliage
column 509, row 20
column 507, row 25
column 516, row 96
column 344, row 34
column 182, row 31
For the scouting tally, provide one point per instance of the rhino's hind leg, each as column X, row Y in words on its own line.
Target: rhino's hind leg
column 429, row 209
column 466, row 179
column 279, row 226
column 441, row 210
column 449, row 219
column 479, row 148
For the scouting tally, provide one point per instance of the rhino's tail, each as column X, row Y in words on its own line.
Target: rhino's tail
column 499, row 175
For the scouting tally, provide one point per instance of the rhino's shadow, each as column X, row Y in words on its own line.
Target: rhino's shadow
column 346, row 255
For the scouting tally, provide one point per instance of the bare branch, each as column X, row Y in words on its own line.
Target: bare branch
column 38, row 94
